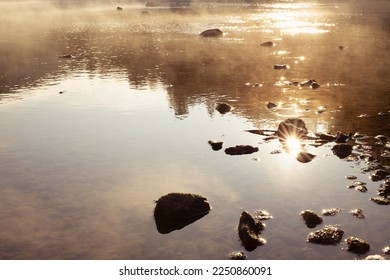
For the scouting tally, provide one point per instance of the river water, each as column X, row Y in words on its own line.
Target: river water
column 89, row 143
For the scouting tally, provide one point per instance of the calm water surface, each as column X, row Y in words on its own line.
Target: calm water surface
column 88, row 144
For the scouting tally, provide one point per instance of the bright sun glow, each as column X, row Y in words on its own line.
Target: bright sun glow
column 293, row 146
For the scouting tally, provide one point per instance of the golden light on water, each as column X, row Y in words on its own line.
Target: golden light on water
column 293, row 146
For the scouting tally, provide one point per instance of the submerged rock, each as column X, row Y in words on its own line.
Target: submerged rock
column 281, row 67
column 331, row 211
column 248, row 230
column 223, row 108
column 177, row 210
column 327, row 235
column 342, row 150
column 374, row 258
column 215, row 145
column 241, row 150
column 381, row 200
column 291, row 127
column 311, row 218
column 211, row 33
column 357, row 245
column 238, row 255
column 358, row 213
column 268, row 44
column 271, row 105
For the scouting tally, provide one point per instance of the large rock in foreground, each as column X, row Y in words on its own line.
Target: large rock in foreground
column 177, row 210
column 248, row 230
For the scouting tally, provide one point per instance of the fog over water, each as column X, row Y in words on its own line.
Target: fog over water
column 102, row 111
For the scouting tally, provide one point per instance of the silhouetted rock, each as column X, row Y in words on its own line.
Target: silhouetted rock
column 223, row 108
column 291, row 127
column 280, row 67
column 305, row 157
column 66, row 56
column 379, row 174
column 357, row 245
column 311, row 218
column 327, row 235
column 177, row 210
column 119, row 8
column 215, row 145
column 248, row 230
column 342, row 138
column 211, row 33
column 271, row 105
column 342, row 150
column 268, row 44
column 241, row 150
column 384, row 189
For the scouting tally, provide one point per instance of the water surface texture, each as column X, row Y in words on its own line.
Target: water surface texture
column 103, row 111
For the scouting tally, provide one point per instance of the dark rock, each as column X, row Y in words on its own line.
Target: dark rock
column 341, row 48
column 291, row 127
column 223, row 108
column 177, row 210
column 379, row 174
column 66, row 56
column 358, row 213
column 342, row 138
column 268, row 44
column 357, row 245
column 271, row 105
column 327, row 235
column 315, row 85
column 248, row 230
column 311, row 218
column 326, row 137
column 241, row 150
column 119, row 8
column 331, row 211
column 307, row 83
column 351, row 177
column 305, row 157
column 211, row 33
column 381, row 200
column 238, row 255
column 384, row 189
column 216, row 145
column 342, row 150
column 281, row 66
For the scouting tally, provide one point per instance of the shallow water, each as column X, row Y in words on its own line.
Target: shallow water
column 88, row 144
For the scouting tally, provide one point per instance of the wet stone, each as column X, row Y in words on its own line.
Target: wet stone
column 223, row 108
column 280, row 67
column 326, row 236
column 357, row 245
column 241, row 150
column 386, row 250
column 379, row 174
column 238, row 255
column 271, row 105
column 342, row 150
column 211, row 33
column 248, row 230
column 374, row 258
column 291, row 127
column 384, row 189
column 361, row 188
column 331, row 211
column 177, row 210
column 268, row 44
column 215, row 145
column 311, row 219
column 358, row 213
column 262, row 215
column 351, row 177
column 381, row 200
